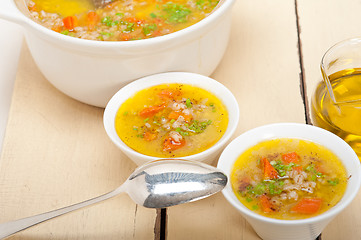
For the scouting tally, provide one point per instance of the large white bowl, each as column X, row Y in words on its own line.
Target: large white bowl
column 305, row 229
column 219, row 90
column 93, row 71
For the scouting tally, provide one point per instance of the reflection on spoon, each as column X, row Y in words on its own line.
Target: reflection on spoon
column 158, row 184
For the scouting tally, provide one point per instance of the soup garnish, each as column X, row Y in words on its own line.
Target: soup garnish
column 288, row 179
column 171, row 120
column 121, row 20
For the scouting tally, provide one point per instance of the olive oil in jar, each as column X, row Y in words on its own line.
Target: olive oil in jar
column 343, row 119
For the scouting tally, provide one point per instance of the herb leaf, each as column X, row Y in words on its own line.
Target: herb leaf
column 175, row 13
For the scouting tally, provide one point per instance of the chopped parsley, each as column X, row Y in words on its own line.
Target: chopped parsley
column 255, row 207
column 282, row 168
column 176, row 13
column 313, row 171
column 149, row 28
column 199, row 127
column 188, row 103
column 334, row 182
column 129, row 27
column 108, row 21
column 272, row 187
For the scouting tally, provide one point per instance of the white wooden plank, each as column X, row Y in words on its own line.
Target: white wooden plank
column 261, row 68
column 56, row 153
column 324, row 23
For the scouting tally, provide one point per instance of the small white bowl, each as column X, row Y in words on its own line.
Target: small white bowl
column 269, row 228
column 194, row 79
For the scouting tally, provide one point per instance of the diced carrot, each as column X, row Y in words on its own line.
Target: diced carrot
column 32, row 8
column 290, row 158
column 297, row 168
column 151, row 111
column 149, row 136
column 138, row 21
column 56, row 28
column 92, row 19
column 169, row 144
column 166, row 94
column 308, row 206
column 320, row 169
column 159, row 20
column 125, row 37
column 269, row 172
column 266, row 204
column 70, row 22
column 156, row 33
column 175, row 115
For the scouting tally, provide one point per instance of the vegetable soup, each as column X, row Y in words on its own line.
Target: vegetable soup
column 171, row 120
column 288, row 179
column 121, row 20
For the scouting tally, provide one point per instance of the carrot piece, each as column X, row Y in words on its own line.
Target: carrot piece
column 151, row 111
column 70, row 22
column 308, row 206
column 92, row 20
column 266, row 204
column 290, row 157
column 125, row 37
column 175, row 115
column 166, row 94
column 56, row 28
column 138, row 21
column 156, row 33
column 169, row 144
column 32, row 8
column 269, row 172
column 297, row 168
column 320, row 169
column 149, row 136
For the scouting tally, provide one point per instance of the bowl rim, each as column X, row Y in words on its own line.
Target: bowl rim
column 275, row 127
column 224, row 6
column 171, row 77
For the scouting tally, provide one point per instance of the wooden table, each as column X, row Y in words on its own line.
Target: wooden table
column 56, row 152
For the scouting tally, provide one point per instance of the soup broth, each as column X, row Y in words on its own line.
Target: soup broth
column 288, row 179
column 121, row 20
column 171, row 120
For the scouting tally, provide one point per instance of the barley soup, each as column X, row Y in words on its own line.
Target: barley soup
column 171, row 120
column 288, row 179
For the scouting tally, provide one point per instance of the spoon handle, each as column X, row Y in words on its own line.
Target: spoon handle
column 9, row 228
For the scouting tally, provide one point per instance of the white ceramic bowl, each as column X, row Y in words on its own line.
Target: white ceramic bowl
column 274, row 229
column 93, row 71
column 219, row 90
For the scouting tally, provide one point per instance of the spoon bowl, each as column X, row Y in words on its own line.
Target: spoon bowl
column 164, row 183
column 157, row 184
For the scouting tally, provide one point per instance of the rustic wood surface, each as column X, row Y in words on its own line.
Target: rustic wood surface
column 323, row 24
column 56, row 152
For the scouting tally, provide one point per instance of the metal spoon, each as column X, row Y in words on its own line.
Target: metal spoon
column 158, row 184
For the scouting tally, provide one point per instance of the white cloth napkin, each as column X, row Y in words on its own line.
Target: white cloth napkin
column 11, row 38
